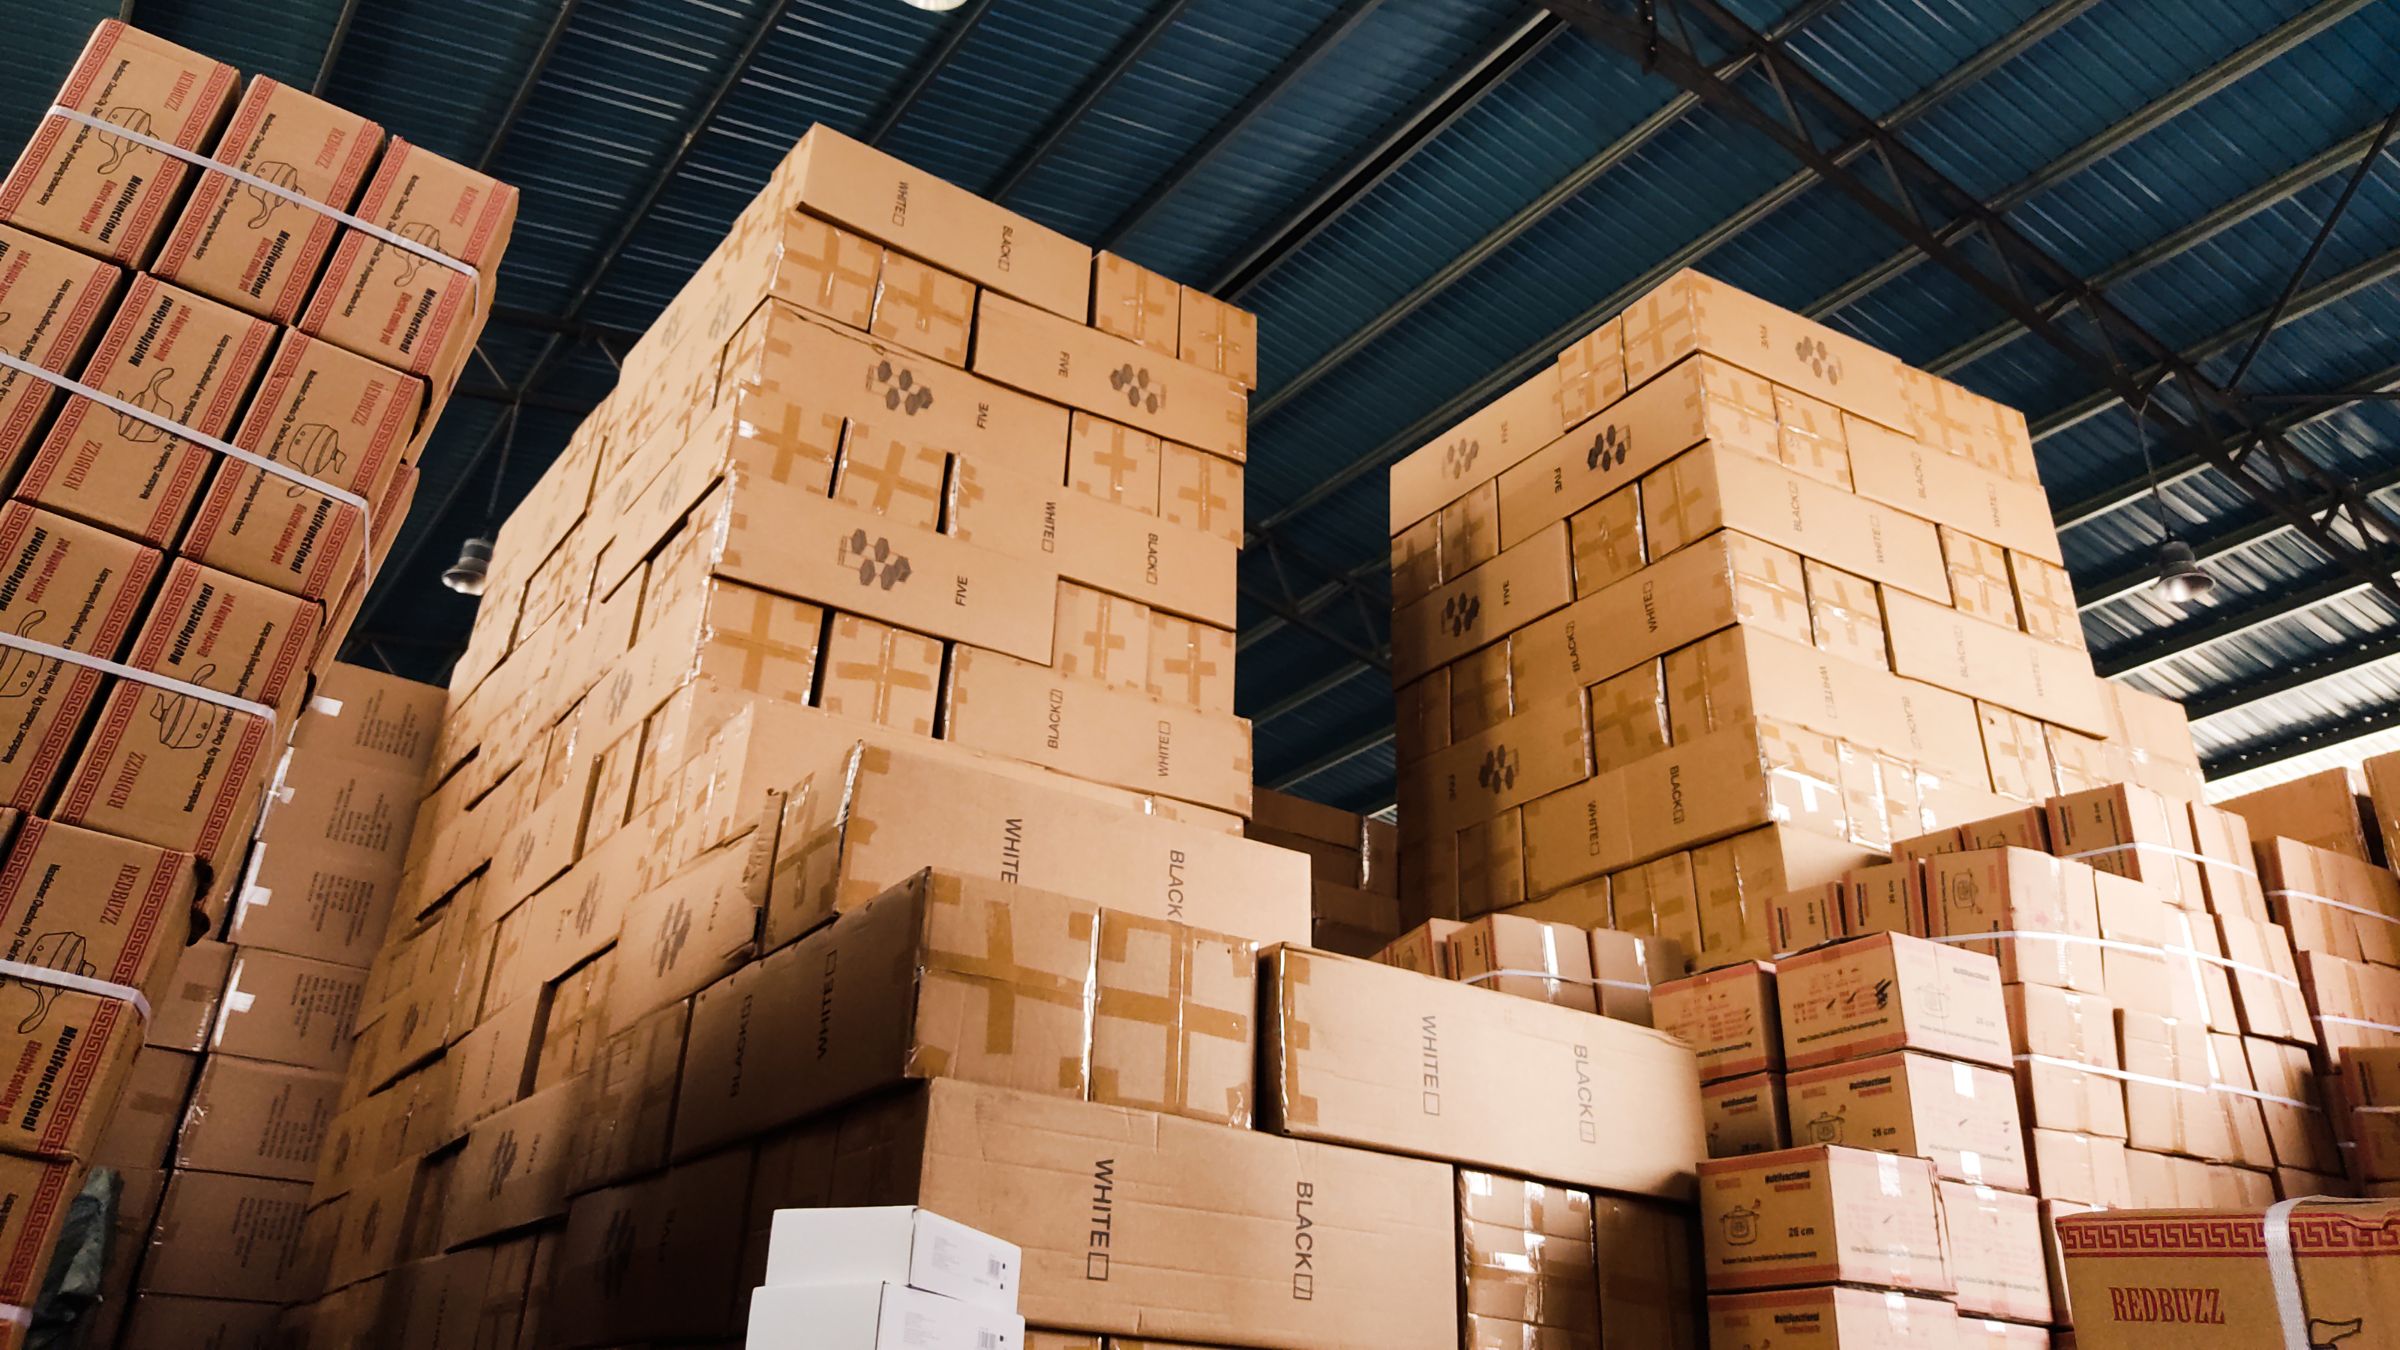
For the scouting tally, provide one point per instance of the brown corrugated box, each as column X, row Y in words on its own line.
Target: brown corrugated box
column 288, row 1010
column 148, row 1112
column 95, row 905
column 634, row 1089
column 1996, row 1252
column 1210, row 1234
column 1891, row 992
column 401, row 308
column 101, row 192
column 1059, row 359
column 1527, row 958
column 1742, row 674
column 514, row 1168
column 657, row 1258
column 2067, row 1061
column 997, row 703
column 1819, row 1215
column 2210, row 1276
column 1997, row 665
column 1116, row 548
column 324, row 872
column 257, row 1119
column 2082, row 1168
column 1745, row 1115
column 2017, row 891
column 56, row 300
column 182, row 1017
column 966, row 977
column 1729, row 1017
column 327, row 413
column 174, row 1322
column 1506, row 1083
column 225, row 1236
column 2329, row 809
column 1478, row 606
column 247, row 247
column 178, row 355
column 1961, row 1116
column 1475, row 451
column 74, row 586
column 1832, row 1317
column 1710, row 489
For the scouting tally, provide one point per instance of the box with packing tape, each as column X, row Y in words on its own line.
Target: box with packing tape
column 2315, row 1273
column 1823, row 1214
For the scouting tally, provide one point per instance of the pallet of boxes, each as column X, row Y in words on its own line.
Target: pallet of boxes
column 1353, row 868
column 1734, row 635
column 208, row 433
column 224, row 1119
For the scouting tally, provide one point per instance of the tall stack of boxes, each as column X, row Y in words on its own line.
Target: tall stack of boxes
column 1718, row 607
column 210, row 307
column 1353, row 868
column 217, row 1148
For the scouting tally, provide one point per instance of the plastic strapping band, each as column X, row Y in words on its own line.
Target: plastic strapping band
column 1629, row 986
column 2125, row 1075
column 81, row 984
column 2360, row 1022
column 10, row 1312
column 2331, row 903
column 2290, row 1312
column 366, row 515
column 248, row 179
column 2181, row 854
column 2119, row 944
column 139, row 676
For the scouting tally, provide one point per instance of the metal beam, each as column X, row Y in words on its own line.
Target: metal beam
column 1935, row 215
column 525, row 87
column 1295, row 67
column 1308, row 624
column 2284, row 680
column 1331, row 759
column 933, row 64
column 2135, row 579
column 1432, row 116
column 2274, row 192
column 338, row 39
column 2339, row 733
column 2225, row 625
column 2176, row 471
column 2316, row 246
column 1127, row 55
column 1308, row 693
column 2124, row 131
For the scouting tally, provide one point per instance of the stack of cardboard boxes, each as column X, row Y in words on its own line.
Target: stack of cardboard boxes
column 1353, row 868
column 217, row 1149
column 183, row 309
column 1718, row 607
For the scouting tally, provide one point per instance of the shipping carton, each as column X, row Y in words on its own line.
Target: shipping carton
column 1476, row 606
column 1922, row 480
column 2083, row 1168
column 34, row 1195
column 247, row 247
column 1713, row 488
column 142, row 1128
column 1891, row 992
column 94, row 905
column 257, row 1119
column 2067, row 1063
column 169, row 1321
column 1217, row 336
column 1744, row 674
column 1994, row 664
column 1117, row 549
column 287, row 1010
column 1836, row 1317
column 1690, row 312
column 225, row 1236
column 879, row 1317
column 2211, row 1276
column 1526, row 958
column 102, row 193
column 2025, row 894
column 1060, row 359
column 1199, row 1218
column 56, row 300
column 1996, row 1252
column 1962, row 1116
column 1820, row 1215
column 183, row 357
column 184, row 1015
column 1745, row 1115
column 519, row 1159
column 1511, row 1084
column 1477, row 450
column 1729, row 1017
column 1122, row 737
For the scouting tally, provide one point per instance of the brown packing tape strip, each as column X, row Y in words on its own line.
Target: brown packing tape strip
column 1172, row 1011
column 1006, row 981
column 1299, row 1108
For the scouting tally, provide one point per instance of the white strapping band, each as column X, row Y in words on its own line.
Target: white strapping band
column 247, row 179
column 1629, row 986
column 81, row 984
column 139, row 676
column 2291, row 1311
column 2331, row 903
column 2181, row 854
column 2359, row 1022
column 10, row 1312
column 2255, row 1094
column 366, row 514
column 2118, row 944
column 2124, row 1075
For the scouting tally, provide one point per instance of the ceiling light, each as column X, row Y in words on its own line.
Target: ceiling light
column 935, row 4
column 474, row 565
column 2181, row 580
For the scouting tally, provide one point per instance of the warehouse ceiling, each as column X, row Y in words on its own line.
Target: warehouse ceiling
column 1424, row 200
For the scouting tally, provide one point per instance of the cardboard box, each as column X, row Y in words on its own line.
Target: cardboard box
column 1061, row 360
column 327, row 413
column 1799, row 920
column 249, row 248
column 1962, row 1116
column 185, row 1013
column 226, row 1236
column 2132, row 832
column 2067, row 1061
column 2300, row 878
column 1745, row 1115
column 1891, row 992
column 897, row 1245
column 1469, row 529
column 1114, row 548
column 1725, row 579
column 2027, row 894
column 1097, row 636
column 257, row 1119
column 2329, row 809
column 656, row 1257
column 324, row 872
column 2083, row 1168
column 1509, row 1084
column 1729, row 1017
column 1199, row 1241
column 102, row 193
column 1474, row 452
column 82, row 588
column 166, row 1322
column 520, row 1159
column 186, row 358
column 995, row 703
column 1480, row 697
column 56, row 299
column 880, row 1317
column 2209, row 1275
column 94, row 905
column 1697, row 402
column 1835, row 1316
column 1993, row 664
column 148, row 1112
column 1424, row 949
column 1713, row 488
column 1542, row 749
column 1479, row 605
column 1744, row 674
column 857, row 186
column 1691, row 312
column 1819, row 1215
column 1920, row 479
column 1736, row 881
column 1200, row 490
column 1606, row 541
column 186, row 777
column 287, row 1010
column 1996, row 1252
column 1547, row 962
column 1217, row 336
column 972, row 978
column 2169, row 1107
column 1135, row 303
column 401, row 308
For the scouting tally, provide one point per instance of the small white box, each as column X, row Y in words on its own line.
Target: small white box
column 875, row 1317
column 893, row 1244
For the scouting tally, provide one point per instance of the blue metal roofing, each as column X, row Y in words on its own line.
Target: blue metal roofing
column 1425, row 198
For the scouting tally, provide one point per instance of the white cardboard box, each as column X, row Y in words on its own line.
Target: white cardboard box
column 893, row 1244
column 875, row 1317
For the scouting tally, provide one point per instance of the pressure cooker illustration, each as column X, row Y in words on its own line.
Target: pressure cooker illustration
column 1827, row 1128
column 184, row 722
column 20, row 670
column 51, row 951
column 1740, row 1224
